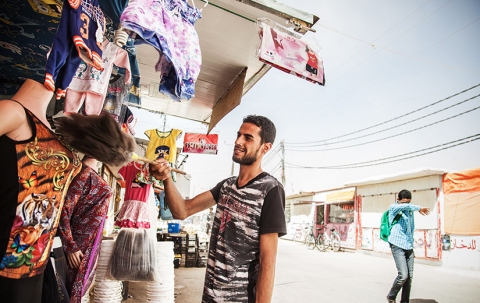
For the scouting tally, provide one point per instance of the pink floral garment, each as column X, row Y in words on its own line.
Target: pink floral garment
column 81, row 227
column 168, row 25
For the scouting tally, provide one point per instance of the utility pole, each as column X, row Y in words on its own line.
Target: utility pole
column 282, row 147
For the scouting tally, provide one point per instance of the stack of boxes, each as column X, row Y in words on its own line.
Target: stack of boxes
column 192, row 251
column 189, row 250
column 179, row 248
column 202, row 253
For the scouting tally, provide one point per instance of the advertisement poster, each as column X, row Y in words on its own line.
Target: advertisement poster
column 200, row 143
column 284, row 50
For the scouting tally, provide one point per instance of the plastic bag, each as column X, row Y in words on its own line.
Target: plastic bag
column 133, row 257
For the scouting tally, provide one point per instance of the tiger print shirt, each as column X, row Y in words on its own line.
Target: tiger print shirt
column 243, row 214
column 35, row 174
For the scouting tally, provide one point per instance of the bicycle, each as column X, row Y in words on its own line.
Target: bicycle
column 312, row 242
column 324, row 240
column 300, row 235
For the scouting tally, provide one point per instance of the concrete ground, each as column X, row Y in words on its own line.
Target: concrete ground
column 188, row 286
column 311, row 276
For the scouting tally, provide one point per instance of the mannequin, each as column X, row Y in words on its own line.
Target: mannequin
column 36, row 172
column 32, row 95
column 81, row 226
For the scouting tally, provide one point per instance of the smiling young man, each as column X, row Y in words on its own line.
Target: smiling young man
column 401, row 244
column 248, row 220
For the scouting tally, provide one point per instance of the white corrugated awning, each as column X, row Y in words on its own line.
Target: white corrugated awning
column 228, row 39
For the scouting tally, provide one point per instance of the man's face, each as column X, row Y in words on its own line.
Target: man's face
column 404, row 201
column 248, row 146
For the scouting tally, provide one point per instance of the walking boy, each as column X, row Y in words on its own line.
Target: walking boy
column 401, row 244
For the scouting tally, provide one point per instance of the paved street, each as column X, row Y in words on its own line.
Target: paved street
column 312, row 276
column 307, row 276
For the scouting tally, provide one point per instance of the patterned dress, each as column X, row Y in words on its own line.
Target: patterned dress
column 243, row 214
column 81, row 226
column 134, row 212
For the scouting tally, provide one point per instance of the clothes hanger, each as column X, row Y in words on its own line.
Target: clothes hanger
column 165, row 128
column 200, row 10
column 120, row 37
column 206, row 3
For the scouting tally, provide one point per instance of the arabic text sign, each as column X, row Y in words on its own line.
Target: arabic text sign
column 200, row 143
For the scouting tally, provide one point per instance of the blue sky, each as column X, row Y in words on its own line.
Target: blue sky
column 384, row 61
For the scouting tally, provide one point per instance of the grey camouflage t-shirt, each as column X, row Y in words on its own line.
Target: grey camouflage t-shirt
column 242, row 215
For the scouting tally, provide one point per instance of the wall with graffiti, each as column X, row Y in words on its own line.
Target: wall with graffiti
column 378, row 244
column 426, row 245
column 367, row 238
column 347, row 234
column 462, row 252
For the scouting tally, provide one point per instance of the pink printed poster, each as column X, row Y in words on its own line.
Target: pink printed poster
column 200, row 143
column 283, row 49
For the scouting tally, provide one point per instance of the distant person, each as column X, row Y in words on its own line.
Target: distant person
column 249, row 219
column 401, row 244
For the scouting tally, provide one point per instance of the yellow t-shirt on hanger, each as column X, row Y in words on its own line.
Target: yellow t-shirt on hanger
column 162, row 144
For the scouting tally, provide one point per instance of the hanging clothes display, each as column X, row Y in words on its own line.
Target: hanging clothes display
column 127, row 119
column 134, row 212
column 81, row 227
column 283, row 49
column 168, row 26
column 114, row 10
column 90, row 85
column 134, row 93
column 163, row 144
column 116, row 93
column 79, row 37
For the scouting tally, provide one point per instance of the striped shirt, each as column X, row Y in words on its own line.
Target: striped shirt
column 401, row 234
column 243, row 214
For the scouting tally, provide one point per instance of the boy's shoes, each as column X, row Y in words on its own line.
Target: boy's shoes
column 390, row 300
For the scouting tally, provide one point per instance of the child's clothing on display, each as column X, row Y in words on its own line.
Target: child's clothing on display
column 162, row 144
column 79, row 37
column 81, row 227
column 134, row 212
column 174, row 36
column 116, row 93
column 126, row 120
column 90, row 85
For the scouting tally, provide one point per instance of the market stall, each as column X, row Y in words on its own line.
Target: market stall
column 99, row 59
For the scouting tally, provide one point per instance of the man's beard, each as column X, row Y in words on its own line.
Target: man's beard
column 247, row 159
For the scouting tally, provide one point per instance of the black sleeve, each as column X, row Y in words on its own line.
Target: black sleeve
column 216, row 190
column 272, row 219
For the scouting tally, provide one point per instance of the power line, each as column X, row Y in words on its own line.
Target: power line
column 403, row 54
column 392, row 136
column 406, row 17
column 363, row 164
column 274, row 169
column 396, row 135
column 388, row 121
column 272, row 155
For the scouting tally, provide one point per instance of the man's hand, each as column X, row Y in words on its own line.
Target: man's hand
column 75, row 259
column 160, row 170
column 424, row 211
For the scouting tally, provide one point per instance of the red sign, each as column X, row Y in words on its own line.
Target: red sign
column 200, row 143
